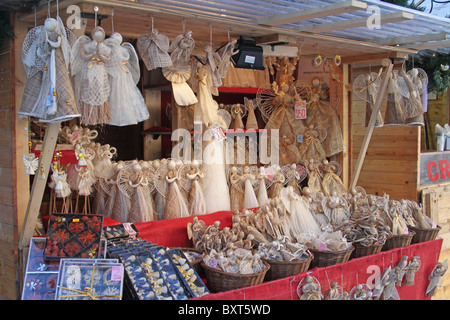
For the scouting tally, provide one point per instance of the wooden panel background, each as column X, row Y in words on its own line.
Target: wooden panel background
column 391, row 162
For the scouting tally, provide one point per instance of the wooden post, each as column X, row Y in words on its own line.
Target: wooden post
column 38, row 188
column 376, row 108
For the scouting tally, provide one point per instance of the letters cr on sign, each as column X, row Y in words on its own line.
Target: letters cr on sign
column 434, row 168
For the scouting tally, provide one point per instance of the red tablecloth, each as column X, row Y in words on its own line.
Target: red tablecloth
column 173, row 233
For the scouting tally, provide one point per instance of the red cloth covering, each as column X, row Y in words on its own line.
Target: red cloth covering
column 173, row 233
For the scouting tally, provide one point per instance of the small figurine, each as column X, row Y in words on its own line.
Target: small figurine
column 402, row 265
column 435, row 277
column 413, row 267
column 309, row 289
column 335, row 292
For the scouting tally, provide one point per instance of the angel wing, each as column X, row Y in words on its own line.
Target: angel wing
column 133, row 61
column 77, row 60
column 35, row 53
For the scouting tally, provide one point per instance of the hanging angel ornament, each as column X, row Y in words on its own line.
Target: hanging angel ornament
column 89, row 66
column 213, row 60
column 413, row 107
column 48, row 94
column 435, row 277
column 179, row 72
column 385, row 286
column 277, row 182
column 394, row 110
column 311, row 147
column 206, row 108
column 412, row 268
column 126, row 103
column 331, row 181
column 309, row 289
column 321, row 112
column 153, row 49
column 366, row 87
column 30, row 162
column 226, row 52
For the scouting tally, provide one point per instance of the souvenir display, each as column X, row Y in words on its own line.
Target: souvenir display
column 90, row 280
column 435, row 277
column 73, row 235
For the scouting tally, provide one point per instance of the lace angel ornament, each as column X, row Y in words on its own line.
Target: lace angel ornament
column 413, row 107
column 89, row 66
column 153, row 49
column 48, row 94
column 213, row 60
column 226, row 53
column 179, row 72
column 126, row 103
column 435, row 277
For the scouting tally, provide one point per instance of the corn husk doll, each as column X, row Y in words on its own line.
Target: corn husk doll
column 89, row 67
column 48, row 94
column 196, row 198
column 153, row 49
column 311, row 147
column 331, row 181
column 176, row 205
column 435, row 277
column 126, row 103
column 142, row 207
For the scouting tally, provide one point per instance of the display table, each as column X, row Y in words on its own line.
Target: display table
column 173, row 233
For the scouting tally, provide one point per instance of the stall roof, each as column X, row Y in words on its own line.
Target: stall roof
column 327, row 27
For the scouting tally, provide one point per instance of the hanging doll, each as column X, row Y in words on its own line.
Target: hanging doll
column 394, row 111
column 126, row 103
column 176, row 206
column 412, row 268
column 179, row 72
column 250, row 200
column 153, row 49
column 331, row 181
column 196, row 199
column 371, row 97
column 321, row 113
column 48, row 94
column 413, row 108
column 213, row 60
column 435, row 277
column 225, row 57
column 402, row 266
column 311, row 147
column 89, row 66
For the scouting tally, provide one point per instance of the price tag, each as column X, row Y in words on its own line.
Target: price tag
column 323, row 247
column 270, row 173
column 300, row 110
column 406, row 231
column 218, row 132
column 213, row 263
column 116, row 273
column 129, row 229
column 300, row 138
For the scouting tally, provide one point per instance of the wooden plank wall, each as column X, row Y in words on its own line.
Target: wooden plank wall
column 391, row 162
column 438, row 113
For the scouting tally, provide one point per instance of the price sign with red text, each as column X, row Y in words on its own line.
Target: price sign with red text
column 218, row 132
column 300, row 110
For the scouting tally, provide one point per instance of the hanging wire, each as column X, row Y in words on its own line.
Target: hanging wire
column 151, row 16
column 112, row 20
column 183, row 25
column 210, row 35
column 57, row 8
column 95, row 16
column 48, row 9
column 35, row 21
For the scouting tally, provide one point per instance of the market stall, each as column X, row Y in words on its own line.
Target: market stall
column 315, row 159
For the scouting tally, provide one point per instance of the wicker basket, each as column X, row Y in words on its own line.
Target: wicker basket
column 398, row 241
column 219, row 281
column 423, row 235
column 329, row 258
column 362, row 251
column 281, row 269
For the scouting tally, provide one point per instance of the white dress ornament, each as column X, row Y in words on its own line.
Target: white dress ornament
column 48, row 94
column 126, row 103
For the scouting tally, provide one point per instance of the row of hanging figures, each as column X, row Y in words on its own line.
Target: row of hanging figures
column 406, row 96
column 95, row 78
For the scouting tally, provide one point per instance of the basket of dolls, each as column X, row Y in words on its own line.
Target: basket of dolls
column 398, row 241
column 325, row 258
column 195, row 258
column 218, row 280
column 422, row 235
column 281, row 269
column 362, row 250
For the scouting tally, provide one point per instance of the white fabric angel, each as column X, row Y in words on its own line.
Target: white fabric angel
column 126, row 103
column 250, row 200
column 179, row 72
column 46, row 54
column 262, row 196
column 89, row 66
column 153, row 49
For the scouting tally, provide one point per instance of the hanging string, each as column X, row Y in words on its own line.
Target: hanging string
column 35, row 21
column 57, row 9
column 210, row 35
column 48, row 9
column 95, row 16
column 112, row 20
column 183, row 25
column 151, row 16
column 229, row 35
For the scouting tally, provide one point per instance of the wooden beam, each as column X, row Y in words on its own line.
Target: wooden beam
column 376, row 108
column 38, row 188
column 374, row 56
column 313, row 13
column 428, row 45
column 412, row 39
column 356, row 23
